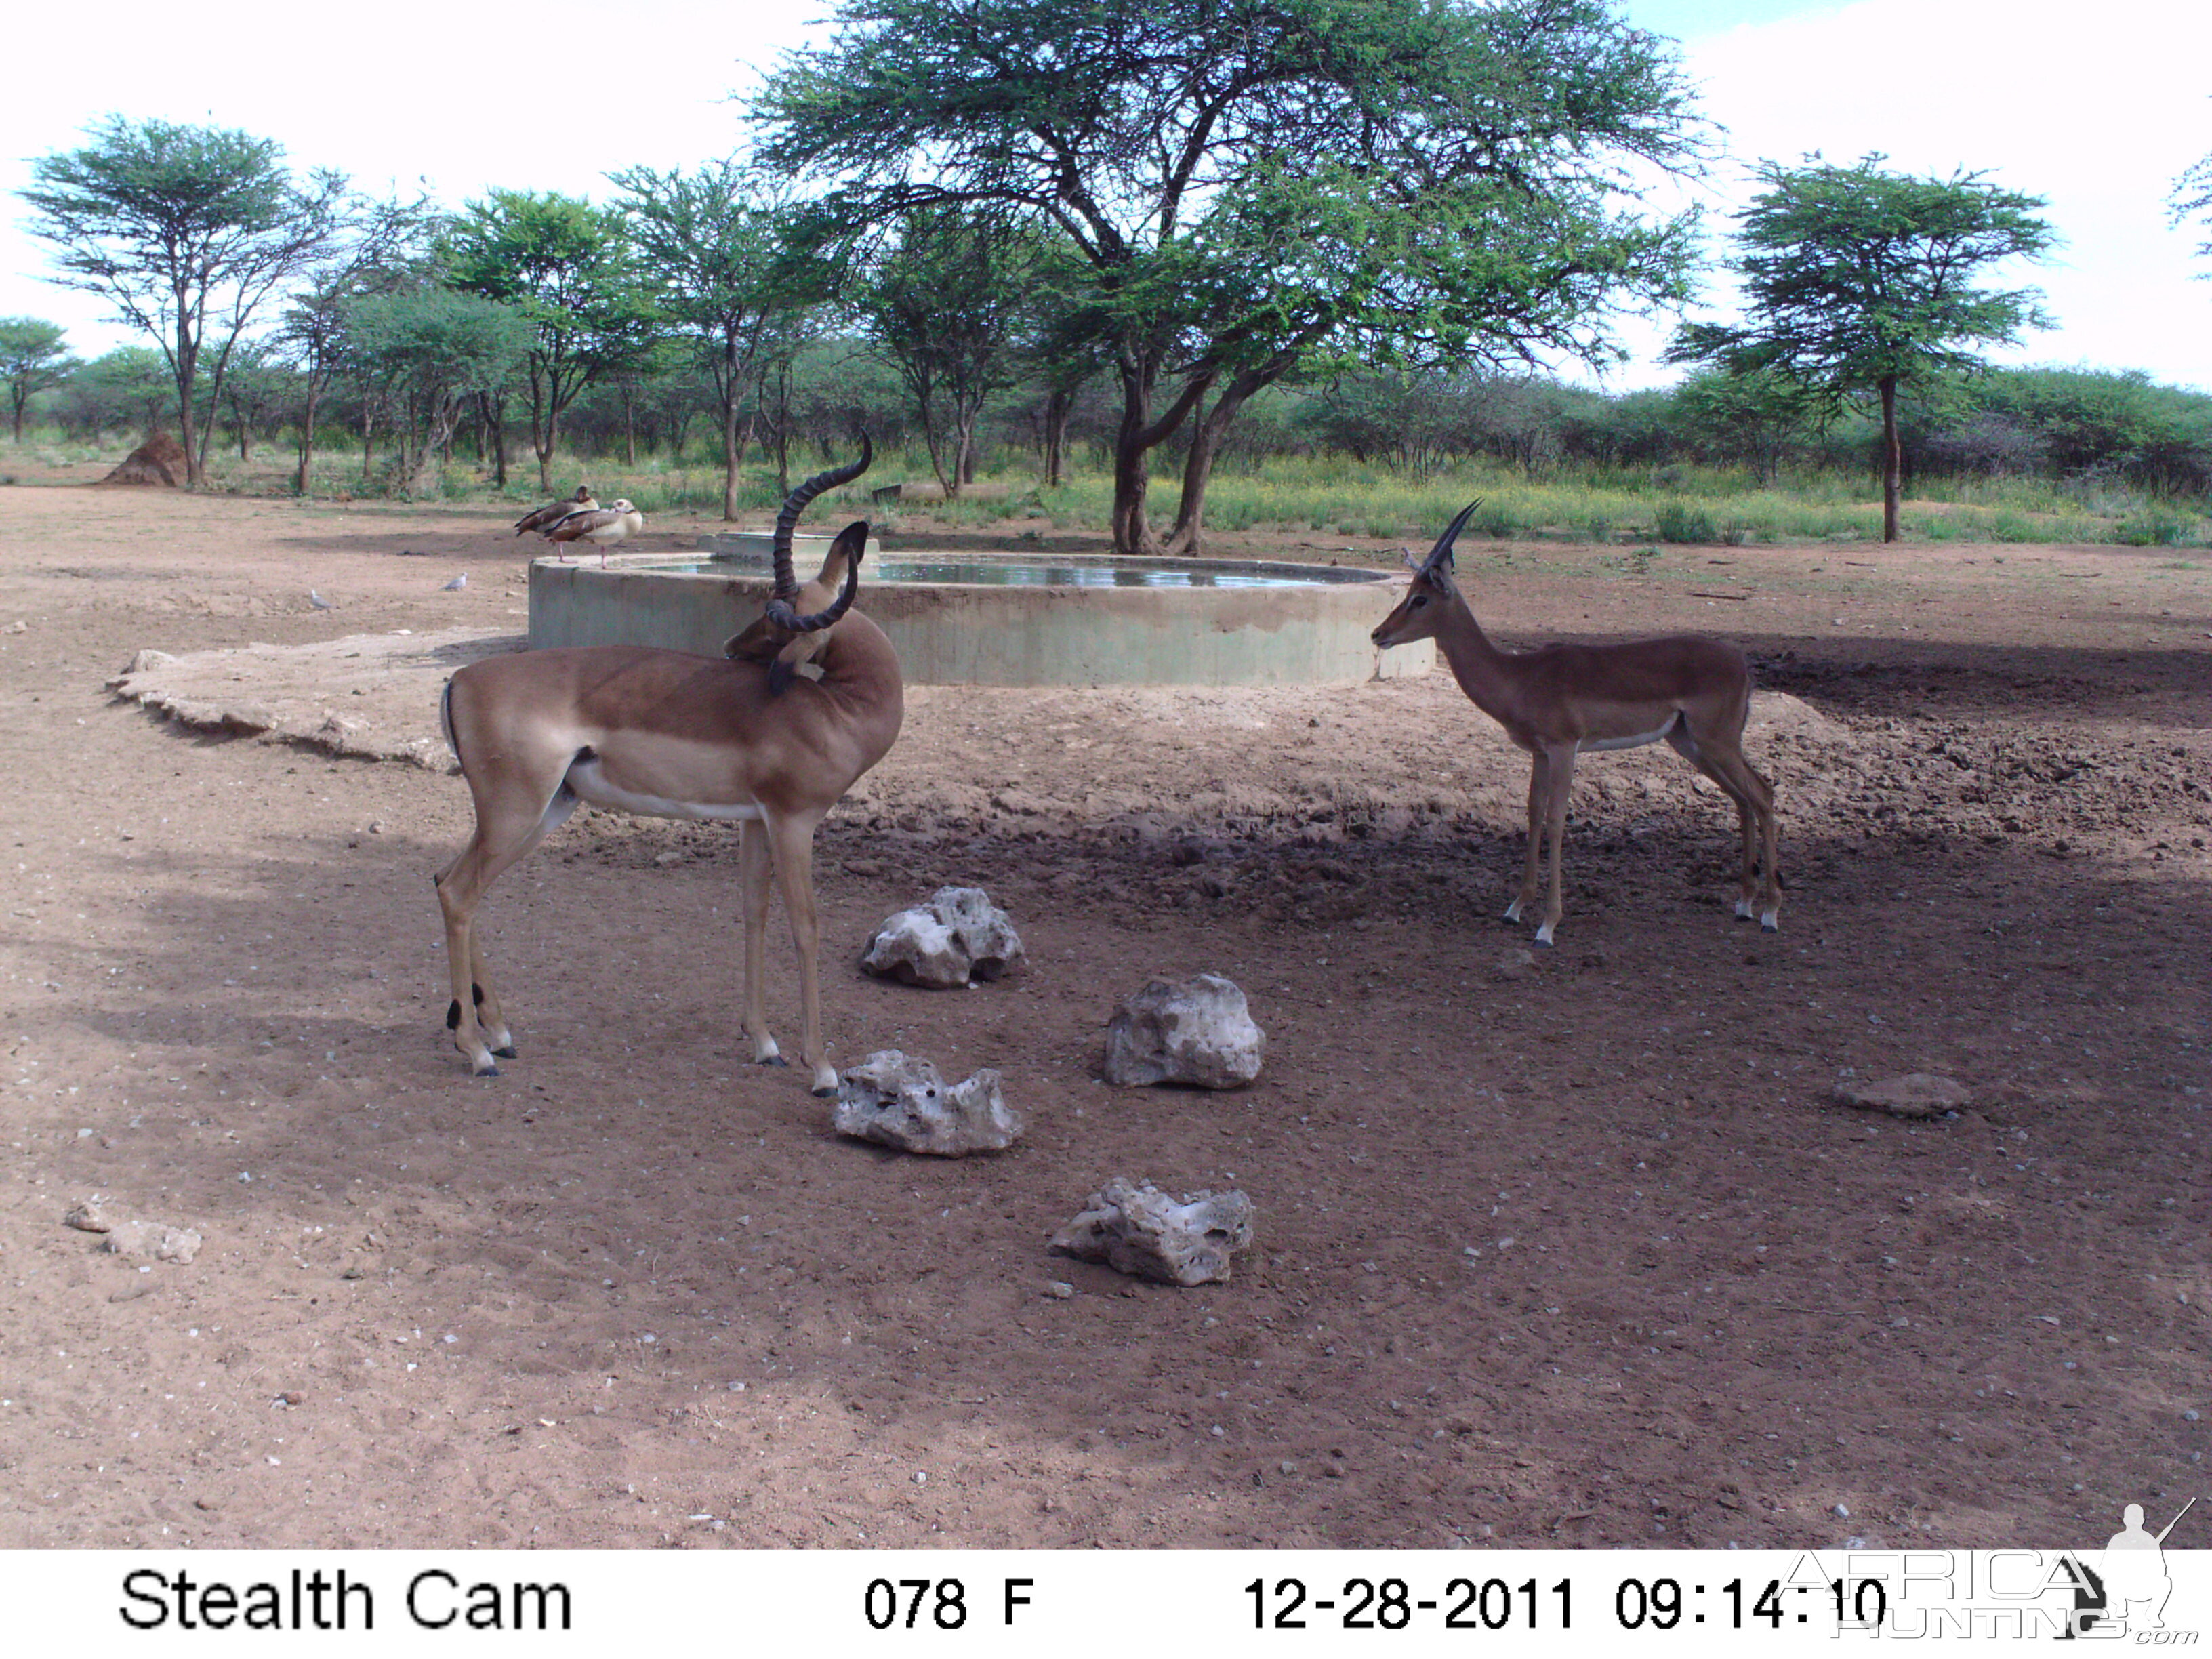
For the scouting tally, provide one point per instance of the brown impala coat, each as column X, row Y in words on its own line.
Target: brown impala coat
column 666, row 734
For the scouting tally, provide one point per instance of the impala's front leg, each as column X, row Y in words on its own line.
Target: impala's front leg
column 1539, row 791
column 754, row 866
column 793, row 841
column 1560, row 778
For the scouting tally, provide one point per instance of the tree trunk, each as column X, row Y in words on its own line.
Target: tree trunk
column 1185, row 540
column 303, row 480
column 730, row 450
column 495, row 415
column 1057, row 409
column 21, row 397
column 630, row 428
column 1133, row 441
column 187, row 369
column 1891, row 459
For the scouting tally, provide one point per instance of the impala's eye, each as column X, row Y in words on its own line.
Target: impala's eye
column 1419, row 599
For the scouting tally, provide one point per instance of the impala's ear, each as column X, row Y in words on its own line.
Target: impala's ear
column 844, row 556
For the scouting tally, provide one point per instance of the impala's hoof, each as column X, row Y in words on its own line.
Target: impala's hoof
column 1769, row 923
column 487, row 1070
column 1512, row 913
column 507, row 1053
column 771, row 1060
column 825, row 1092
column 1543, row 939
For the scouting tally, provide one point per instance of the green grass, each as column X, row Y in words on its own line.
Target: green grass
column 1329, row 495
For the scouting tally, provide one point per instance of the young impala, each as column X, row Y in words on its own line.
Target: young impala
column 744, row 737
column 1559, row 700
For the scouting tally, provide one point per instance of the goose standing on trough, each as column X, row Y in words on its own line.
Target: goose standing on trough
column 602, row 527
column 552, row 512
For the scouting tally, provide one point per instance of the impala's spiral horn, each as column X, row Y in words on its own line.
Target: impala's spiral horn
column 1441, row 554
column 781, row 610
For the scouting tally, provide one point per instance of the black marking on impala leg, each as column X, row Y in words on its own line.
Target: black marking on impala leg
column 476, row 995
column 453, row 1015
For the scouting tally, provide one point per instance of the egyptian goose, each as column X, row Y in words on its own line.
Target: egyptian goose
column 602, row 527
column 553, row 511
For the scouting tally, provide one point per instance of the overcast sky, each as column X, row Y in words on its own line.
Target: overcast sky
column 2095, row 108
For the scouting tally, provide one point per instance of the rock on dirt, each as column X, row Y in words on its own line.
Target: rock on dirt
column 958, row 936
column 1916, row 1094
column 1198, row 1032
column 152, row 1239
column 1139, row 1230
column 900, row 1100
column 89, row 1216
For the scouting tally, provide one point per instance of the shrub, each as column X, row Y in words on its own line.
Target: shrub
column 1680, row 522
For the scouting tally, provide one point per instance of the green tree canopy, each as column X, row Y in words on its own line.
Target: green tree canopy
column 2192, row 200
column 385, row 248
column 727, row 269
column 1860, row 280
column 187, row 231
column 947, row 304
column 1258, row 187
column 433, row 351
column 32, row 357
column 568, row 268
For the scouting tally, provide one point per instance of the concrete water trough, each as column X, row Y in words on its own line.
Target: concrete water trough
column 966, row 618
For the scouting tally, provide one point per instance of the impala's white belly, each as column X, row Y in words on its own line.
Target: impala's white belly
column 588, row 782
column 1636, row 741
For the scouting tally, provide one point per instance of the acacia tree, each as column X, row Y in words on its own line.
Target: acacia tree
column 431, row 350
column 32, row 358
column 947, row 305
column 1857, row 280
column 567, row 267
column 187, row 232
column 1756, row 415
column 1257, row 187
column 2192, row 200
column 719, row 244
column 378, row 251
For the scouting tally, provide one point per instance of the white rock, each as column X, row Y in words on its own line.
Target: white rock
column 957, row 937
column 900, row 1100
column 1141, row 1231
column 1197, row 1031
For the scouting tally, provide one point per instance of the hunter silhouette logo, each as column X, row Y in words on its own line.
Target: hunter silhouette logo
column 2132, row 1579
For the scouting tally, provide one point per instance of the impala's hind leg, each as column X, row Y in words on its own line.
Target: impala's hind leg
column 503, row 836
column 1724, row 763
column 756, row 865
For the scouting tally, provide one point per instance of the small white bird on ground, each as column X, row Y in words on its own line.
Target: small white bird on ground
column 457, row 584
column 319, row 601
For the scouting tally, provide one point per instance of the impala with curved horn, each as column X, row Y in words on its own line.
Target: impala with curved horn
column 1559, row 700
column 743, row 737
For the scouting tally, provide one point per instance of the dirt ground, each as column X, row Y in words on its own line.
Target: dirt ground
column 1576, row 1248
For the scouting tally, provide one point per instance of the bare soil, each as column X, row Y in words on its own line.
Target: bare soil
column 1571, row 1247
